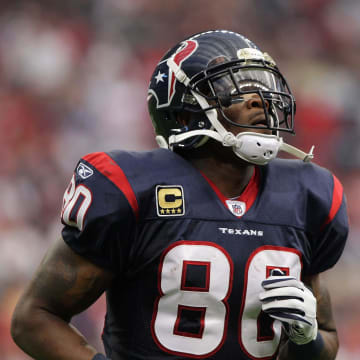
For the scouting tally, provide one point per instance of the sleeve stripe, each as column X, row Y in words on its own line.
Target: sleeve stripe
column 336, row 200
column 107, row 166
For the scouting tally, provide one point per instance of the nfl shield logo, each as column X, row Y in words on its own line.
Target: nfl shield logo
column 237, row 208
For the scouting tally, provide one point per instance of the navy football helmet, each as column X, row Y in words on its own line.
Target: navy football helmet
column 205, row 74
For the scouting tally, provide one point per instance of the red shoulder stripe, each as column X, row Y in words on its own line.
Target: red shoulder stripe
column 336, row 201
column 107, row 166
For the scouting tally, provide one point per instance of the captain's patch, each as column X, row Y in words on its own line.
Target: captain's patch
column 170, row 200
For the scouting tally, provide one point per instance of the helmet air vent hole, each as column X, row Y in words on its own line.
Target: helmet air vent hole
column 258, row 144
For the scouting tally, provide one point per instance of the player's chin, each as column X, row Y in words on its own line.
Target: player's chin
column 261, row 130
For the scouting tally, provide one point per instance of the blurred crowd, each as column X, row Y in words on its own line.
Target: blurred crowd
column 73, row 80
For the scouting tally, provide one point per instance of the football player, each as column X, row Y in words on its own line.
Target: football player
column 210, row 247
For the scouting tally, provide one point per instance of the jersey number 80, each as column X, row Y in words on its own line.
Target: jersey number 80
column 191, row 318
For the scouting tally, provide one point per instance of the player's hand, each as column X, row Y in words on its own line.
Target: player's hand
column 290, row 301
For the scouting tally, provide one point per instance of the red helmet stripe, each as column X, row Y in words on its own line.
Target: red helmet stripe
column 184, row 52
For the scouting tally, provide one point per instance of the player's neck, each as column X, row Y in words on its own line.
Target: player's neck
column 230, row 180
column 229, row 173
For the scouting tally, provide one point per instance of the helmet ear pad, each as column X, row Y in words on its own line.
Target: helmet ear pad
column 193, row 120
column 188, row 121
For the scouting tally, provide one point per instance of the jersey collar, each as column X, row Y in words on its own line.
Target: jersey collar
column 247, row 197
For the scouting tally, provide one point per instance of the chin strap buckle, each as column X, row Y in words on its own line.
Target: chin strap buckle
column 229, row 139
column 309, row 156
column 306, row 157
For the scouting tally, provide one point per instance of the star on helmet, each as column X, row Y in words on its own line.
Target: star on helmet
column 160, row 77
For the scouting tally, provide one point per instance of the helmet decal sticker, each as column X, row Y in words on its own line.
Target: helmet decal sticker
column 186, row 49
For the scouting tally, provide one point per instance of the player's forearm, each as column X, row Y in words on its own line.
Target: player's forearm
column 331, row 345
column 45, row 336
column 324, row 348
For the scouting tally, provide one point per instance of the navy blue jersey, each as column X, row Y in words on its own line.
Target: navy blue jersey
column 188, row 262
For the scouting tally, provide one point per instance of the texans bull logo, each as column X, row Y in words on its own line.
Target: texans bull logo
column 163, row 83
